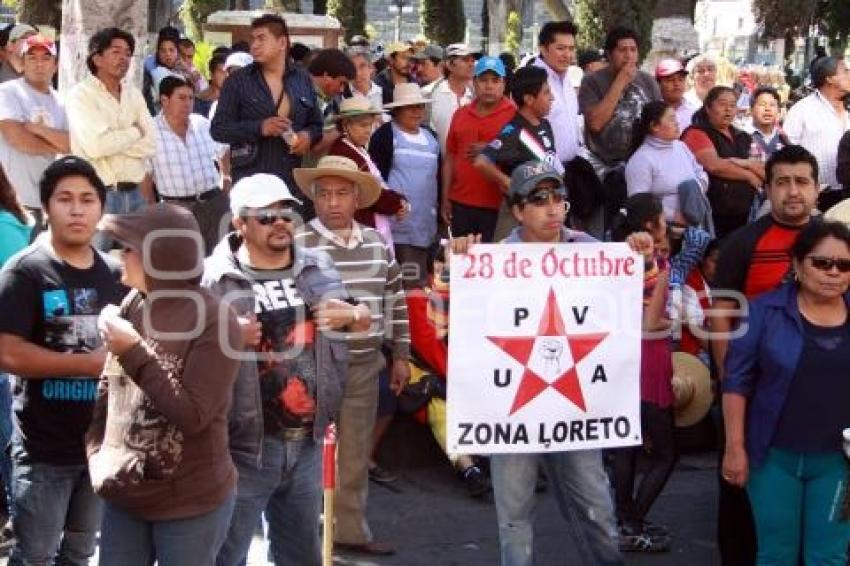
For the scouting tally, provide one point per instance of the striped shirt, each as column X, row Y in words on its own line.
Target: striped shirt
column 185, row 167
column 814, row 124
column 373, row 277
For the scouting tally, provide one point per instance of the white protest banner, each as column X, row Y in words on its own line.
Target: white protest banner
column 544, row 348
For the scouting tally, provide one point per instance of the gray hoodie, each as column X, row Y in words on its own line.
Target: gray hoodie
column 315, row 278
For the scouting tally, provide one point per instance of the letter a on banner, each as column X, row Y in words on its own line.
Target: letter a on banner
column 544, row 364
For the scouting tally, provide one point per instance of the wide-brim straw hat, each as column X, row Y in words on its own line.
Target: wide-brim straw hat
column 338, row 166
column 407, row 94
column 356, row 106
column 691, row 389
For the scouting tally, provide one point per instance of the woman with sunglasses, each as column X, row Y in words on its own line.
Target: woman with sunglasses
column 785, row 405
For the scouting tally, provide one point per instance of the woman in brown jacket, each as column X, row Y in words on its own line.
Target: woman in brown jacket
column 157, row 444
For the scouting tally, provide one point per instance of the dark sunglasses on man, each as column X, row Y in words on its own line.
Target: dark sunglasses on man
column 268, row 216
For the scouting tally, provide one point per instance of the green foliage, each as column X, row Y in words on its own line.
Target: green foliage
column 792, row 18
column 443, row 21
column 203, row 54
column 195, row 12
column 351, row 14
column 513, row 37
column 596, row 17
column 777, row 18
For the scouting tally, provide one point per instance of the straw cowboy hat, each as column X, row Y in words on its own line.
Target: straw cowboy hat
column 839, row 212
column 691, row 389
column 407, row 94
column 338, row 166
column 356, row 106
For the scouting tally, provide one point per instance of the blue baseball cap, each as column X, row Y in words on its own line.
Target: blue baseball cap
column 488, row 63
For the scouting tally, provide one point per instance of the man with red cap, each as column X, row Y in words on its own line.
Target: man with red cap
column 33, row 124
column 672, row 80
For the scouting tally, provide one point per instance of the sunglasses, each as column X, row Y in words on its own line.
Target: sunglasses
column 269, row 217
column 827, row 263
column 542, row 198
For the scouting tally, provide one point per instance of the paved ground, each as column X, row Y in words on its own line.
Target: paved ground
column 434, row 523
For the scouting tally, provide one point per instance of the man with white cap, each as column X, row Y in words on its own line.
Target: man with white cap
column 289, row 384
column 454, row 92
column 398, row 56
column 672, row 80
column 232, row 63
column 33, row 124
column 372, row 275
column 13, row 67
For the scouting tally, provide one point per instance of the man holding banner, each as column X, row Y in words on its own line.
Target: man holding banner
column 557, row 363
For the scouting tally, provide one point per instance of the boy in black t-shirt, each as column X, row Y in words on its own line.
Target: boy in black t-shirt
column 50, row 297
column 527, row 137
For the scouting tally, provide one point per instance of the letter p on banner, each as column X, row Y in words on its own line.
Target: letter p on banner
column 528, row 328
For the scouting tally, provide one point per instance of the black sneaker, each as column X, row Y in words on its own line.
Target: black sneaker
column 381, row 476
column 641, row 541
column 477, row 484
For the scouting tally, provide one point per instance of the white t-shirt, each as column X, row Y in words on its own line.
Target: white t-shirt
column 19, row 102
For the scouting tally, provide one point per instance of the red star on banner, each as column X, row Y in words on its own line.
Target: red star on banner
column 520, row 348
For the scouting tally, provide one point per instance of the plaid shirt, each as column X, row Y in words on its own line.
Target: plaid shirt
column 185, row 168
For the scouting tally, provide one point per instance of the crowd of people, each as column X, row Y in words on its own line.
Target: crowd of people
column 284, row 220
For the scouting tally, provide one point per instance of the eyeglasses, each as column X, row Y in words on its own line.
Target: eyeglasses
column 827, row 263
column 542, row 198
column 269, row 217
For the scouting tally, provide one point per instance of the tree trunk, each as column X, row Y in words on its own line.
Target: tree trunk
column 160, row 13
column 442, row 21
column 40, row 12
column 498, row 23
column 559, row 9
column 286, row 5
column 351, row 14
column 82, row 18
column 675, row 8
column 195, row 12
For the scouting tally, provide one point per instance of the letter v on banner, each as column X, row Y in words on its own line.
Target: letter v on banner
column 532, row 144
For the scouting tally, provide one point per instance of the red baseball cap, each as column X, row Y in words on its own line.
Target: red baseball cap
column 35, row 41
column 668, row 68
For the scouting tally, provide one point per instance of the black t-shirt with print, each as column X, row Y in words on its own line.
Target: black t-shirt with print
column 510, row 148
column 287, row 364
column 55, row 305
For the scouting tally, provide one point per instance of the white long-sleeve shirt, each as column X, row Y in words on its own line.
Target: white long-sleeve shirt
column 814, row 124
column 563, row 116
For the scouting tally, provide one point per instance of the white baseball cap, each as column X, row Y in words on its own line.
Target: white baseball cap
column 238, row 59
column 258, row 191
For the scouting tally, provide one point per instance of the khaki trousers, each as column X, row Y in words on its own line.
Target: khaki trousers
column 356, row 422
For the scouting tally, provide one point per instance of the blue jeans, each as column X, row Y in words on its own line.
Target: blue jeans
column 796, row 501
column 128, row 540
column 580, row 484
column 118, row 202
column 288, row 488
column 5, row 438
column 57, row 514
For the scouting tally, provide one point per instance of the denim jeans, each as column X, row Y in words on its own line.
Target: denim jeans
column 796, row 501
column 128, row 540
column 580, row 485
column 6, row 438
column 57, row 514
column 118, row 202
column 288, row 488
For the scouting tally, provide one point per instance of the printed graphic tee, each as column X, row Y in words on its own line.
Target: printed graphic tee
column 521, row 141
column 287, row 361
column 54, row 305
